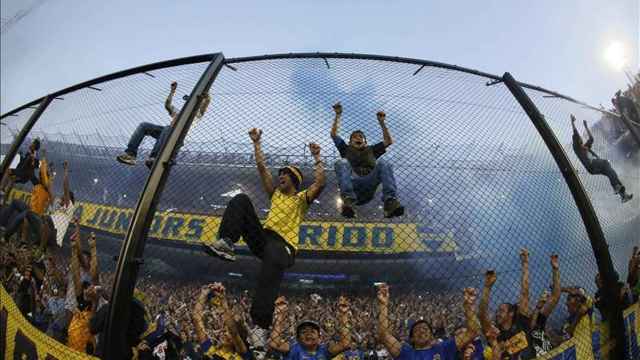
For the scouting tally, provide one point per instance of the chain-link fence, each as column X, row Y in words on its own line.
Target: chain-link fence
column 320, row 243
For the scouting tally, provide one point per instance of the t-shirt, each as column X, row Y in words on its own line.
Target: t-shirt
column 79, row 333
column 350, row 355
column 540, row 341
column 362, row 161
column 517, row 339
column 27, row 164
column 61, row 218
column 210, row 351
column 40, row 195
column 444, row 350
column 581, row 152
column 297, row 352
column 286, row 214
column 582, row 332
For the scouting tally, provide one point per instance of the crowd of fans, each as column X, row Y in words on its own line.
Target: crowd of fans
column 180, row 318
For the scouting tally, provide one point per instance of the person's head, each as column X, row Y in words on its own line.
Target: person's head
column 420, row 334
column 358, row 140
column 308, row 334
column 35, row 145
column 575, row 300
column 505, row 314
column 289, row 179
column 542, row 300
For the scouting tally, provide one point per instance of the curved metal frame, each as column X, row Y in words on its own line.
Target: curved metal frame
column 132, row 248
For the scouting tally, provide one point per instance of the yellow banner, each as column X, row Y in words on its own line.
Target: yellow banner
column 313, row 235
column 21, row 340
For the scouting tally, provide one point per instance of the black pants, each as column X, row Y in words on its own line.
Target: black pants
column 240, row 219
column 603, row 167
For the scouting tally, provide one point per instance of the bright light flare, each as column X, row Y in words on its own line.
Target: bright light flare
column 616, row 55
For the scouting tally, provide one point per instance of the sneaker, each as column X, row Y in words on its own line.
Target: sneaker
column 258, row 337
column 626, row 197
column 222, row 248
column 393, row 208
column 347, row 208
column 149, row 162
column 126, row 159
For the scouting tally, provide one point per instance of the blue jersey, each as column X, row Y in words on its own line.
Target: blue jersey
column 445, row 350
column 297, row 352
column 350, row 355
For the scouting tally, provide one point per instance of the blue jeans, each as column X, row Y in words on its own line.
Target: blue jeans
column 13, row 216
column 160, row 133
column 363, row 188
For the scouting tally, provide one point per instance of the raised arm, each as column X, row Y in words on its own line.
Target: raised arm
column 555, row 292
column 75, row 258
column 473, row 324
column 318, row 174
column 576, row 134
column 66, row 196
column 634, row 267
column 389, row 341
column 589, row 142
column 523, row 303
column 230, row 322
column 168, row 102
column 336, row 348
column 198, row 313
column 94, row 269
column 276, row 340
column 386, row 136
column 204, row 105
column 337, row 109
column 265, row 175
column 489, row 279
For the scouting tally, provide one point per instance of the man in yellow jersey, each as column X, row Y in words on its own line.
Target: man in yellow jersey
column 275, row 242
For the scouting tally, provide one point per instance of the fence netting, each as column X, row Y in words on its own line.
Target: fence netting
column 325, row 263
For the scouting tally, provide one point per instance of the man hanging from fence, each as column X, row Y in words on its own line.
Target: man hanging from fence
column 275, row 242
column 158, row 132
column 592, row 162
column 24, row 171
column 64, row 209
column 17, row 212
column 360, row 170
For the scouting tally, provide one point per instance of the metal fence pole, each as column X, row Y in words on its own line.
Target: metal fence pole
column 133, row 246
column 23, row 134
column 589, row 217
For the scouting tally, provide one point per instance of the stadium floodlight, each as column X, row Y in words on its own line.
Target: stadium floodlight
column 235, row 274
column 124, row 196
column 306, row 281
column 95, row 180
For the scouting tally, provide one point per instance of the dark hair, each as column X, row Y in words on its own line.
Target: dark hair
column 296, row 179
column 72, row 196
column 421, row 321
column 357, row 132
column 36, row 144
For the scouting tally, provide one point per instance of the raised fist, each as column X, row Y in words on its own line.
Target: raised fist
column 337, row 108
column 174, row 86
column 554, row 262
column 490, row 278
column 281, row 305
column 255, row 134
column 343, row 305
column 524, row 256
column 470, row 295
column 314, row 148
column 383, row 294
column 573, row 118
column 381, row 116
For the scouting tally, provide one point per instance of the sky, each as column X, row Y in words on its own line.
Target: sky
column 558, row 45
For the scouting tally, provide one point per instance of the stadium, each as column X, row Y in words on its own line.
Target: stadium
column 476, row 175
